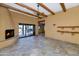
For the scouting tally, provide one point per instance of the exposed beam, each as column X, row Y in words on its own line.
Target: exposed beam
column 27, row 7
column 63, row 7
column 9, row 7
column 45, row 7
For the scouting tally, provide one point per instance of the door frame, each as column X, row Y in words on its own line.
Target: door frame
column 33, row 29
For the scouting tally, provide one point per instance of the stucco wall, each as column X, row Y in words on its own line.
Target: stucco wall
column 68, row 18
column 11, row 20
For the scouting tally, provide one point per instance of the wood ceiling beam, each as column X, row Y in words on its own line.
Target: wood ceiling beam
column 25, row 6
column 45, row 7
column 63, row 7
column 9, row 7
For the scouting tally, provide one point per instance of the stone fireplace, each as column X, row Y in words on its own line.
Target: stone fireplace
column 9, row 33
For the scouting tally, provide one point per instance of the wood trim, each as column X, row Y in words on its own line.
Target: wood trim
column 25, row 6
column 45, row 7
column 41, row 21
column 9, row 7
column 63, row 7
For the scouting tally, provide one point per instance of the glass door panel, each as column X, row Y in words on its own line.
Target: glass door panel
column 27, row 34
column 21, row 34
column 24, row 30
column 31, row 30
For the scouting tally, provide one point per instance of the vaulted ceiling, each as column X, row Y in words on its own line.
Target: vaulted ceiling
column 44, row 8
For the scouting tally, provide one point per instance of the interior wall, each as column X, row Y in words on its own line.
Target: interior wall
column 68, row 18
column 5, row 22
column 11, row 20
column 21, row 18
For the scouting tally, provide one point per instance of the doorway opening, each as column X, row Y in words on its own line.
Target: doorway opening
column 41, row 30
column 26, row 30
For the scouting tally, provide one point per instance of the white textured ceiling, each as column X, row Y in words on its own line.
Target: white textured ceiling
column 19, row 7
column 55, row 7
column 70, row 5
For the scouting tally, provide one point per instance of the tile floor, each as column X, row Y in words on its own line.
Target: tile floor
column 40, row 46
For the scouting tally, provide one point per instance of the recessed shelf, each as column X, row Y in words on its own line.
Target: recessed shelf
column 67, row 31
column 72, row 27
column 68, row 27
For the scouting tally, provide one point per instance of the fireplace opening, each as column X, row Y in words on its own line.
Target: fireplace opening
column 9, row 33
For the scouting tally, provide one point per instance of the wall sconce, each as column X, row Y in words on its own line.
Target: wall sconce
column 54, row 24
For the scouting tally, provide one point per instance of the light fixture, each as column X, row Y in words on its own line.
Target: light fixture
column 38, row 14
column 38, row 10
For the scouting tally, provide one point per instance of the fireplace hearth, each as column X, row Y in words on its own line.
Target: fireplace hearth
column 9, row 33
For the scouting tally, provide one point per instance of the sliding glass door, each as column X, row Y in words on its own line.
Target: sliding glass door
column 26, row 30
